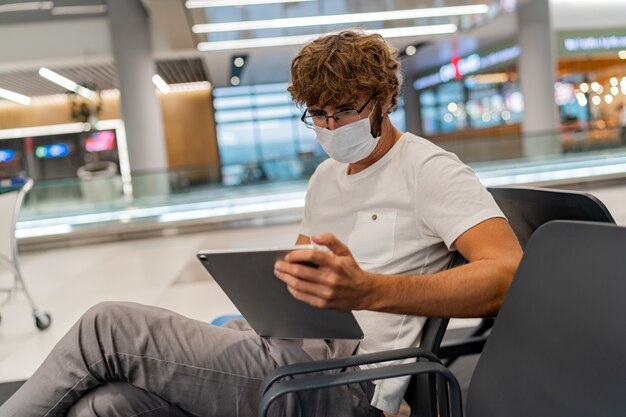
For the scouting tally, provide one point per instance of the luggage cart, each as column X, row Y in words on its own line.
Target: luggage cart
column 10, row 204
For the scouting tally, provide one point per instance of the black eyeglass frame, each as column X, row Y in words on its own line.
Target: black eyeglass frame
column 302, row 119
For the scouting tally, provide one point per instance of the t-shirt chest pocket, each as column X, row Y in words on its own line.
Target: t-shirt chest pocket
column 372, row 239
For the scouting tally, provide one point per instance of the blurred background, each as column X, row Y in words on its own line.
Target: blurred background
column 140, row 116
column 156, row 128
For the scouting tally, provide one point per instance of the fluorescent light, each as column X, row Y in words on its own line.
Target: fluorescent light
column 194, row 86
column 300, row 39
column 341, row 19
column 160, row 84
column 66, row 83
column 196, row 4
column 18, row 98
column 22, row 132
column 26, row 6
column 255, row 43
column 404, row 32
column 574, row 3
column 71, row 10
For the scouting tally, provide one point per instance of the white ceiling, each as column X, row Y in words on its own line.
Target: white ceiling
column 32, row 39
column 266, row 65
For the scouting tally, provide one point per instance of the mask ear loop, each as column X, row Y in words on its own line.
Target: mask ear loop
column 378, row 119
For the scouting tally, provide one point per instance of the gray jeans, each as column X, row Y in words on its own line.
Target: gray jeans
column 126, row 359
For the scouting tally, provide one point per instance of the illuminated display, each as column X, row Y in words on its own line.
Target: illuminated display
column 468, row 65
column 56, row 150
column 100, row 141
column 6, row 155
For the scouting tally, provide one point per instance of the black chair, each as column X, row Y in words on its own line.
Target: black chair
column 557, row 348
column 527, row 209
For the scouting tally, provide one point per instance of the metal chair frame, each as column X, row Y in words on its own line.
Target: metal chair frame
column 11, row 262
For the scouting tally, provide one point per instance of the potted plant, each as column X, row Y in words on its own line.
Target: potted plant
column 99, row 180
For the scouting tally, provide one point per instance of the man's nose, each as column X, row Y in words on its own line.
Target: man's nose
column 331, row 123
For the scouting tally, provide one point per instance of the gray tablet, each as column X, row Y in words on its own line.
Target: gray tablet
column 247, row 277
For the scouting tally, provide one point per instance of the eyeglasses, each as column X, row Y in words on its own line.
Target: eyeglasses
column 342, row 117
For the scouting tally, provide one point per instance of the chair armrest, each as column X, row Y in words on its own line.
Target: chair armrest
column 455, row 348
column 346, row 362
column 392, row 371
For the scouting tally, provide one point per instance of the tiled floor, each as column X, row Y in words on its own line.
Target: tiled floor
column 162, row 272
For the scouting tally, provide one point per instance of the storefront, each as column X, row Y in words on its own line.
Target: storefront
column 479, row 95
column 592, row 75
column 478, row 91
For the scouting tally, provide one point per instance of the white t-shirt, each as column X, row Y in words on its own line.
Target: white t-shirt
column 399, row 216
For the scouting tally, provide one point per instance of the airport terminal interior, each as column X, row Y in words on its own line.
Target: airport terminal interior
column 143, row 131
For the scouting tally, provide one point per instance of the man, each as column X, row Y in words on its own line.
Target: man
column 388, row 205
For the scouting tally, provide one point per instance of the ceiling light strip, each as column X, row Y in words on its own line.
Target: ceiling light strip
column 26, row 6
column 74, row 10
column 341, row 19
column 160, row 83
column 22, row 132
column 15, row 97
column 298, row 40
column 66, row 83
column 197, row 4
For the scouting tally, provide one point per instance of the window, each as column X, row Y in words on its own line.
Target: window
column 257, row 129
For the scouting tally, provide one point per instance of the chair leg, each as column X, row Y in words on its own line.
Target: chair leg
column 426, row 397
column 443, row 395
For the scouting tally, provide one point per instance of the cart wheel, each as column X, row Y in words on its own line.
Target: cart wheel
column 42, row 320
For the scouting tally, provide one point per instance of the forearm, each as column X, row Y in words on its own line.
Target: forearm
column 476, row 289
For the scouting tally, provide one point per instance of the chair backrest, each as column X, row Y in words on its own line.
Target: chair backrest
column 527, row 208
column 10, row 203
column 558, row 345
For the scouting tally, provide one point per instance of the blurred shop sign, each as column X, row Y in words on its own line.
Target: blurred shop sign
column 582, row 42
column 592, row 42
column 56, row 150
column 468, row 65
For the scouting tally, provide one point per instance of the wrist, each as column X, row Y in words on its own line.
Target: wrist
column 371, row 299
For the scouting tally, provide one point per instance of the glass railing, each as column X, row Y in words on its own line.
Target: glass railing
column 217, row 193
column 564, row 142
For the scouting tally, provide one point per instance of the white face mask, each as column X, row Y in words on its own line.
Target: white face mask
column 349, row 143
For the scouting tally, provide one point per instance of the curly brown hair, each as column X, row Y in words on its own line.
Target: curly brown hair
column 342, row 67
